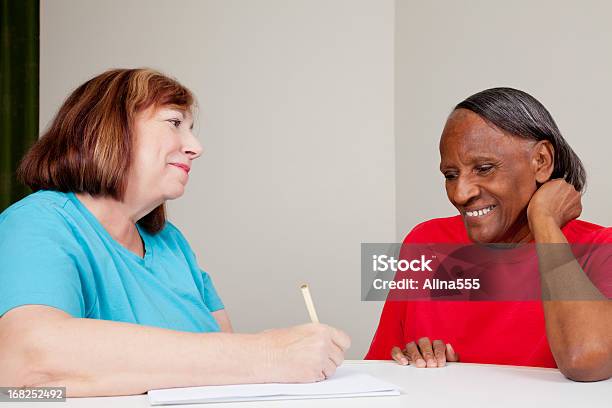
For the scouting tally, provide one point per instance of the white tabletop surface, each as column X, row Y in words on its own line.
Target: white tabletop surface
column 457, row 385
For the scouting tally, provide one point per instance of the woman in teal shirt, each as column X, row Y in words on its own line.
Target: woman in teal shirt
column 98, row 292
column 57, row 253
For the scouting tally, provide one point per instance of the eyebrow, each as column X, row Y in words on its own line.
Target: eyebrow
column 471, row 160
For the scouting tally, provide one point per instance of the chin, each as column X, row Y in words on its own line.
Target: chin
column 477, row 239
column 175, row 193
column 481, row 237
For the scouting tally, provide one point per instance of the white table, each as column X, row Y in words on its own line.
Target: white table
column 457, row 385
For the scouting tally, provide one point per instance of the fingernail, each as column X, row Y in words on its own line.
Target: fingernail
column 421, row 363
column 404, row 361
column 431, row 363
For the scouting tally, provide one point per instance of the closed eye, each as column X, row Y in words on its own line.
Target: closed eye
column 450, row 175
column 484, row 169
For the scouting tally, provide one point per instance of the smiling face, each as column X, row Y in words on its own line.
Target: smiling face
column 490, row 177
column 164, row 147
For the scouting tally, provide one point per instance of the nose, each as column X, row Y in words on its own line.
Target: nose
column 463, row 191
column 192, row 146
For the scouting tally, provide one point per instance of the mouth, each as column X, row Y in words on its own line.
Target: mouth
column 185, row 167
column 478, row 212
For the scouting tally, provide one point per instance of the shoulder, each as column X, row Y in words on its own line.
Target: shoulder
column 445, row 230
column 170, row 232
column 579, row 231
column 37, row 228
column 173, row 238
column 44, row 206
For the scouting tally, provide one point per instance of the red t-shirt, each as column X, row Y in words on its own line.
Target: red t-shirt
column 501, row 332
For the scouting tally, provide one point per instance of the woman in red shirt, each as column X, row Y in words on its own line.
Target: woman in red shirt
column 514, row 179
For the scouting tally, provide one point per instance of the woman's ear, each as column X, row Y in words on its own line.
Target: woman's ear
column 543, row 160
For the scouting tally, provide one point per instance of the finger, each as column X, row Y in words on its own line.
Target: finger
column 336, row 355
column 329, row 369
column 398, row 355
column 451, row 354
column 414, row 355
column 439, row 350
column 427, row 352
column 340, row 338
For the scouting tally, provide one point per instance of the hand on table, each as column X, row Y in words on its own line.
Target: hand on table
column 306, row 353
column 425, row 354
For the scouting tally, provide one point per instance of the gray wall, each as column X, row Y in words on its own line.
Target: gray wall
column 320, row 121
column 296, row 119
column 559, row 51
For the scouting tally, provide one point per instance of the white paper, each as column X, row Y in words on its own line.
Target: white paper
column 345, row 383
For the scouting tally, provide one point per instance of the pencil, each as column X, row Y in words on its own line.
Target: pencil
column 309, row 305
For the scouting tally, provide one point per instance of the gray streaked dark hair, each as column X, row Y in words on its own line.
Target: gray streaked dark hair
column 522, row 115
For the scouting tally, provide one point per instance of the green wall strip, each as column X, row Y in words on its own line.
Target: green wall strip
column 19, row 56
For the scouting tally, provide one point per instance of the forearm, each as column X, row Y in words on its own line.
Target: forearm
column 98, row 357
column 578, row 317
column 561, row 276
column 579, row 338
column 223, row 321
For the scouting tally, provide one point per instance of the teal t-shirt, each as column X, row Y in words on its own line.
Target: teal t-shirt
column 54, row 252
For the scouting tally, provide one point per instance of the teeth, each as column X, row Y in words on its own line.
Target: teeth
column 479, row 213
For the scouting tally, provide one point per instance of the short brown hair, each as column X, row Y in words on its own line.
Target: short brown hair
column 88, row 145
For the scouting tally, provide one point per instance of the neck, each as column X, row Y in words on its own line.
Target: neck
column 520, row 233
column 523, row 237
column 117, row 217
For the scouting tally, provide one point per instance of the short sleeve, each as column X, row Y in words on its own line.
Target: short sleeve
column 597, row 260
column 211, row 297
column 37, row 261
column 205, row 285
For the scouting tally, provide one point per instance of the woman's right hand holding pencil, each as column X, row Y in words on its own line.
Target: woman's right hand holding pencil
column 306, row 353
